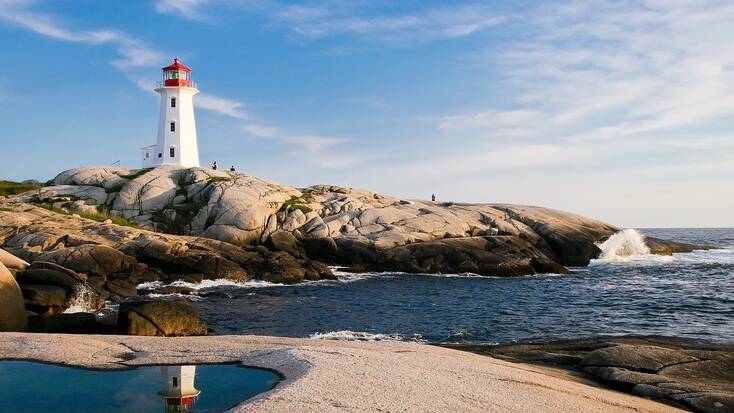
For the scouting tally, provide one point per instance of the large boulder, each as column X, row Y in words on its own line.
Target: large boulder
column 489, row 256
column 51, row 273
column 12, row 308
column 12, row 262
column 161, row 318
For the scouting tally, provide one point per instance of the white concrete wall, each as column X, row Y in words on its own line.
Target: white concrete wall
column 183, row 139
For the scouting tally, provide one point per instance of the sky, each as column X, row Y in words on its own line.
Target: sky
column 617, row 110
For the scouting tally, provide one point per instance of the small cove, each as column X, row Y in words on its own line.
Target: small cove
column 34, row 387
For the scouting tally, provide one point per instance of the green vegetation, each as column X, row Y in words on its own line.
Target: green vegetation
column 295, row 203
column 139, row 172
column 95, row 216
column 14, row 188
column 213, row 179
column 181, row 222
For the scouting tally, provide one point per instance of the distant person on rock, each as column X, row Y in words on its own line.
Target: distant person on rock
column 214, row 165
column 231, row 168
column 433, row 197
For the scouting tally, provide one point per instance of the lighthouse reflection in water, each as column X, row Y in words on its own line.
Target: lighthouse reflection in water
column 178, row 389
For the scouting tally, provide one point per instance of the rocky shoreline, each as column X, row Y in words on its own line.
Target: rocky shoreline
column 93, row 234
column 340, row 376
column 685, row 373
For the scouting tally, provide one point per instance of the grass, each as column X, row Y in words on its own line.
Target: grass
column 295, row 203
column 95, row 216
column 14, row 188
column 139, row 172
column 213, row 179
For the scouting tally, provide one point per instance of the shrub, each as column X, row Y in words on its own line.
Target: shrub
column 295, row 203
column 95, row 216
column 14, row 188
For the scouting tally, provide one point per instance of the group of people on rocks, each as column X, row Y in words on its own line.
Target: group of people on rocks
column 214, row 166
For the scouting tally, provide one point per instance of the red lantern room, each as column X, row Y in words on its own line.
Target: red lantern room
column 177, row 75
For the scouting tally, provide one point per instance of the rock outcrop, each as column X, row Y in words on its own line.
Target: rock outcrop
column 12, row 308
column 346, row 226
column 695, row 375
column 161, row 318
column 71, row 255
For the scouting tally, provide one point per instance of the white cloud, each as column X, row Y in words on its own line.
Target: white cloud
column 312, row 144
column 133, row 52
column 190, row 9
column 222, row 106
column 328, row 18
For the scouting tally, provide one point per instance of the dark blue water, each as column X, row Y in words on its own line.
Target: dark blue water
column 36, row 387
column 688, row 295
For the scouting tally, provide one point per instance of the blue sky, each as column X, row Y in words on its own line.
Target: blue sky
column 619, row 110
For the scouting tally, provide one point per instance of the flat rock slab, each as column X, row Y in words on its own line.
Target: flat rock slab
column 340, row 376
column 695, row 375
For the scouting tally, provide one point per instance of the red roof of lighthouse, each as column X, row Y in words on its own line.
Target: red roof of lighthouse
column 176, row 66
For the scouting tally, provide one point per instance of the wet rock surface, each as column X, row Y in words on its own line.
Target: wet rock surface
column 694, row 375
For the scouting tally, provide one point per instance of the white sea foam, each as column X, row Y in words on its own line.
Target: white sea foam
column 81, row 300
column 624, row 244
column 348, row 335
column 205, row 284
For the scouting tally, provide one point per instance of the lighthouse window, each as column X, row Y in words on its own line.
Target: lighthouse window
column 172, row 152
column 173, row 102
column 175, row 382
column 173, row 126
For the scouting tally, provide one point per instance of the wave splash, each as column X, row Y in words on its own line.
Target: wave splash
column 348, row 335
column 624, row 244
column 81, row 300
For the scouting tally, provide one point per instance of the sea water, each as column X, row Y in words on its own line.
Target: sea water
column 626, row 291
column 37, row 387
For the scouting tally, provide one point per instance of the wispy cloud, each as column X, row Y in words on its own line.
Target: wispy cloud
column 190, row 9
column 223, row 106
column 312, row 144
column 376, row 20
column 133, row 52
column 609, row 70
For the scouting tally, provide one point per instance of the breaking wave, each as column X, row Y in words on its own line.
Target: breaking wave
column 348, row 335
column 622, row 245
column 207, row 284
column 82, row 300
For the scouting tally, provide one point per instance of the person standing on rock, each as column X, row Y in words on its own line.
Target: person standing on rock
column 231, row 168
column 433, row 197
column 214, row 165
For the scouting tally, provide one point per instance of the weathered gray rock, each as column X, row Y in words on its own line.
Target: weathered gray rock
column 12, row 308
column 698, row 376
column 243, row 210
column 161, row 318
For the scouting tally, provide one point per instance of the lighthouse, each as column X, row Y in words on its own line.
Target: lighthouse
column 178, row 389
column 176, row 143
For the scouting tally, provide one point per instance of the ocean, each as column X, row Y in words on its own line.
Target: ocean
column 627, row 291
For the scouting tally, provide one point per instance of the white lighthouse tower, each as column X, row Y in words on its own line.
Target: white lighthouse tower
column 176, row 143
